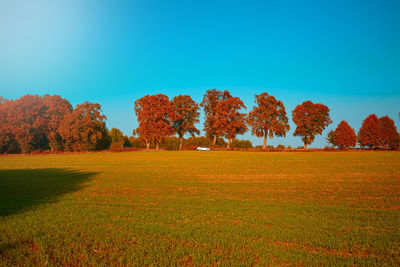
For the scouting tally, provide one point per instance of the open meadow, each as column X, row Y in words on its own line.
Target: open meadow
column 182, row 208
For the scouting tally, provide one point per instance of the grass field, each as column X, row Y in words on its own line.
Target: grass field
column 182, row 208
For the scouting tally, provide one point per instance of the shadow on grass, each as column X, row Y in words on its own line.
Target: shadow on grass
column 24, row 188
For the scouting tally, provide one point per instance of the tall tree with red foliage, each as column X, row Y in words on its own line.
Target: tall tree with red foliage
column 25, row 120
column 390, row 136
column 84, row 128
column 33, row 121
column 163, row 117
column 209, row 103
column 187, row 115
column 268, row 118
column 155, row 115
column 56, row 109
column 229, row 122
column 143, row 111
column 310, row 119
column 370, row 133
column 345, row 136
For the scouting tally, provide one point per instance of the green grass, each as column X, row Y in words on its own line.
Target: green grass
column 177, row 208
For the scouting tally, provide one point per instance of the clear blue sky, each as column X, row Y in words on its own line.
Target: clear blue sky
column 345, row 54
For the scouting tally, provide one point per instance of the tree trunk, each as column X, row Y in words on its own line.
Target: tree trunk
column 265, row 141
column 214, row 140
column 306, row 141
column 228, row 146
column 157, row 146
column 147, row 145
column 181, row 143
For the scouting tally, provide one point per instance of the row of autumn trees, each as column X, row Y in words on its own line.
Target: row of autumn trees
column 39, row 123
column 159, row 118
column 374, row 133
column 35, row 123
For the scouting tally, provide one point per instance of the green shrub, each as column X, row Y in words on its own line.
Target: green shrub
column 136, row 142
column 170, row 143
column 241, row 144
column 117, row 146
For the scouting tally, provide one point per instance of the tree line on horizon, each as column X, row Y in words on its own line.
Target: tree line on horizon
column 50, row 123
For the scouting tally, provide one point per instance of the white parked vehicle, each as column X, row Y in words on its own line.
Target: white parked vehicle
column 203, row 148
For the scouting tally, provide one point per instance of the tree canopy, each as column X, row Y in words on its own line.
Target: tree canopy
column 268, row 118
column 57, row 108
column 229, row 121
column 370, row 133
column 311, row 120
column 390, row 136
column 25, row 120
column 155, row 115
column 209, row 103
column 344, row 136
column 84, row 129
column 187, row 115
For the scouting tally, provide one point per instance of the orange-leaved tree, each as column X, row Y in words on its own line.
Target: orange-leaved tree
column 143, row 111
column 32, row 121
column 390, row 136
column 56, row 109
column 155, row 115
column 210, row 101
column 187, row 115
column 370, row 133
column 229, row 122
column 268, row 118
column 345, row 136
column 25, row 120
column 84, row 128
column 310, row 119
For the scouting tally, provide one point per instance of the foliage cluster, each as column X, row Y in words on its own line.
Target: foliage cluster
column 378, row 133
column 38, row 123
column 311, row 119
column 374, row 133
column 343, row 136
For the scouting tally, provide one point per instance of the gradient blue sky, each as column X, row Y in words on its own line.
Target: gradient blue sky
column 345, row 54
